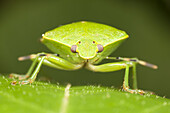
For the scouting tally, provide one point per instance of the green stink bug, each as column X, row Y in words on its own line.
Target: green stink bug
column 82, row 44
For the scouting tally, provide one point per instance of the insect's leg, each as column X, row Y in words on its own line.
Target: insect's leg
column 126, row 82
column 53, row 60
column 61, row 63
column 28, row 74
column 109, row 67
column 134, row 60
column 134, row 67
column 134, row 77
column 126, row 79
column 34, row 74
column 47, row 59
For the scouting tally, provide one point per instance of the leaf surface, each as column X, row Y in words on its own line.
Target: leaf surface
column 42, row 97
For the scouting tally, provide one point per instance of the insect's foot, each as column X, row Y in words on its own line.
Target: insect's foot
column 29, row 81
column 17, row 76
column 136, row 91
column 141, row 92
column 13, row 83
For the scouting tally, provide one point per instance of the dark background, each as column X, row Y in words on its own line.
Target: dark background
column 146, row 21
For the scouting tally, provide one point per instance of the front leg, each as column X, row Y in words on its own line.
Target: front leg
column 109, row 67
column 50, row 60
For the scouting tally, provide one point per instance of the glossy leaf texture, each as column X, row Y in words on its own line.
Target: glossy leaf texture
column 43, row 97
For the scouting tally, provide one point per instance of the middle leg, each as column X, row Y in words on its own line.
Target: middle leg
column 115, row 66
column 46, row 59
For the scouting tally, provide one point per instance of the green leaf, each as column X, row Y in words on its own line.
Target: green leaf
column 41, row 97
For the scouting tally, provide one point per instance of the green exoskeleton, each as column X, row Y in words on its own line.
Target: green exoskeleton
column 82, row 44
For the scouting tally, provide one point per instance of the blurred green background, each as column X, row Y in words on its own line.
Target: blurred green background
column 146, row 21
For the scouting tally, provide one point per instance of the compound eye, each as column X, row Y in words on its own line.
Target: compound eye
column 100, row 47
column 73, row 48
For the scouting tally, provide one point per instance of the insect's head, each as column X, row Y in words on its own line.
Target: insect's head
column 87, row 49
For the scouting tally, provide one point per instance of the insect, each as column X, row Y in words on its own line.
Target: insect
column 82, row 44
